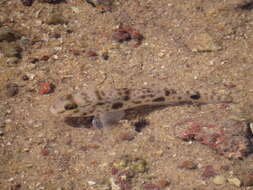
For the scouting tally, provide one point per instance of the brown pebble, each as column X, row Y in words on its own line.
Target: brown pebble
column 163, row 183
column 127, row 136
column 92, row 54
column 188, row 165
column 92, row 146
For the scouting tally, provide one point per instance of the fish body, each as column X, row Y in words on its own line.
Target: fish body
column 100, row 103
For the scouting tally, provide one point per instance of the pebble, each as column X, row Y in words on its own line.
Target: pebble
column 1, row 133
column 96, row 3
column 91, row 182
column 234, row 181
column 219, row 180
column 55, row 19
column 188, row 165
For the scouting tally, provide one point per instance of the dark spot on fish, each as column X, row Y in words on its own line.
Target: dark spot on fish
column 100, row 103
column 168, row 92
column 70, row 106
column 117, row 105
column 78, row 122
column 126, row 98
column 160, row 99
column 137, row 102
column 195, row 96
column 126, row 94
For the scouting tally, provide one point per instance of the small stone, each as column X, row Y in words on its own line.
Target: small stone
column 46, row 88
column 1, row 133
column 55, row 19
column 234, row 181
column 11, row 89
column 163, row 183
column 100, row 3
column 188, row 165
column 219, row 180
column 91, row 182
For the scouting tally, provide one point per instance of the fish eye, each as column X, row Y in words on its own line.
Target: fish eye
column 70, row 106
column 195, row 96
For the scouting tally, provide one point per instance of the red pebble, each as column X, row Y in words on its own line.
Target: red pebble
column 44, row 152
column 92, row 54
column 46, row 88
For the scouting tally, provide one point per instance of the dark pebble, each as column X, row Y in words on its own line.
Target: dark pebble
column 140, row 124
column 27, row 3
